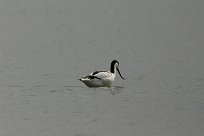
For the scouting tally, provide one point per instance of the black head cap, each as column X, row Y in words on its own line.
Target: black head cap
column 114, row 61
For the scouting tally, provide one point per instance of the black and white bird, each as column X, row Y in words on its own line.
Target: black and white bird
column 102, row 78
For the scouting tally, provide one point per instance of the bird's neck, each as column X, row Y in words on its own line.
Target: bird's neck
column 113, row 68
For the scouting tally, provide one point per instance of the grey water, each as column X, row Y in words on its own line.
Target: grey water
column 46, row 45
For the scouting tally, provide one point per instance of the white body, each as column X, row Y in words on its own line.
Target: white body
column 106, row 79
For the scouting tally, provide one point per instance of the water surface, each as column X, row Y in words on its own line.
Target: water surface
column 45, row 46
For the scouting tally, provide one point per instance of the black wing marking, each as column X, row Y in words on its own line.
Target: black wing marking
column 93, row 77
column 96, row 72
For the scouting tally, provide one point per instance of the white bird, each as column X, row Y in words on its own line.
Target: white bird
column 102, row 78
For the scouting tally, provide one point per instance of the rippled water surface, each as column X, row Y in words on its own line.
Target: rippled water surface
column 45, row 46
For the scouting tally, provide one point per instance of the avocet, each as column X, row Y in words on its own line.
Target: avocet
column 102, row 78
